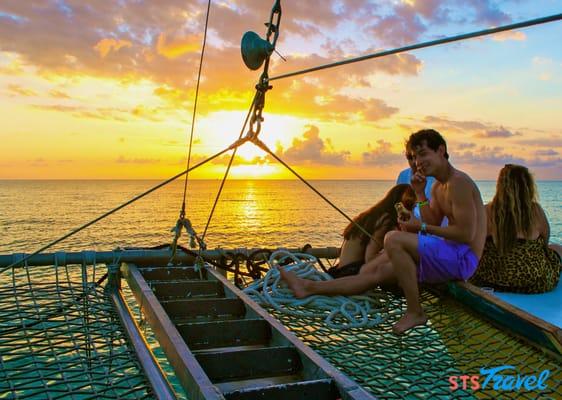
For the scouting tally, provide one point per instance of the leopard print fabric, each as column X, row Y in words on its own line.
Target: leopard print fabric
column 530, row 267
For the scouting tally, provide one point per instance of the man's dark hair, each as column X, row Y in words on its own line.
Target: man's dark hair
column 431, row 137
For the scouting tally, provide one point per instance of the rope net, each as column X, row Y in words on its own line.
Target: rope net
column 61, row 338
column 455, row 342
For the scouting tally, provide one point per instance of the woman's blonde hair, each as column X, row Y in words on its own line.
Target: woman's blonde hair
column 513, row 209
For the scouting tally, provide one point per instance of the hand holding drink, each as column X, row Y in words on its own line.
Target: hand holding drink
column 403, row 213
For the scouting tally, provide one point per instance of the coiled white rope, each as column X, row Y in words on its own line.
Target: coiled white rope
column 339, row 312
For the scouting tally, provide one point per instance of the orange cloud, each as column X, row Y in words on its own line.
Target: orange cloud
column 381, row 154
column 162, row 41
column 173, row 47
column 306, row 99
column 10, row 63
column 105, row 46
column 151, row 114
column 106, row 113
column 21, row 91
column 57, row 94
column 312, row 149
column 173, row 96
column 123, row 160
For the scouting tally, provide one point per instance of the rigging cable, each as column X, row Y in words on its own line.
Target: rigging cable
column 252, row 107
column 450, row 39
column 264, row 147
column 182, row 213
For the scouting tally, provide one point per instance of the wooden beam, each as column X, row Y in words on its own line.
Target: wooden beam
column 189, row 372
column 241, row 332
column 161, row 388
column 231, row 364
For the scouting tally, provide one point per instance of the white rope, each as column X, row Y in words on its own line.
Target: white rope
column 339, row 312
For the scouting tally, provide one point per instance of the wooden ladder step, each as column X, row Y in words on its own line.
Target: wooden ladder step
column 204, row 308
column 246, row 384
column 171, row 273
column 166, row 290
column 230, row 364
column 212, row 334
column 320, row 389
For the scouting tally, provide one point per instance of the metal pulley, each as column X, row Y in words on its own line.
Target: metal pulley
column 255, row 50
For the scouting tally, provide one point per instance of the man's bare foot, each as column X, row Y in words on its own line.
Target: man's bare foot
column 408, row 321
column 296, row 284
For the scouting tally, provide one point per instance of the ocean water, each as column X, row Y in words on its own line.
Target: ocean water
column 250, row 213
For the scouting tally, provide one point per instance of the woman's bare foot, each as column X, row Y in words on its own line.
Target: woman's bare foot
column 408, row 321
column 296, row 284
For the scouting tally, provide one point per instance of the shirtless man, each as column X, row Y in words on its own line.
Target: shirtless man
column 411, row 255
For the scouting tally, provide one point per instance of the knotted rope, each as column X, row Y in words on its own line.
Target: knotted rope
column 339, row 312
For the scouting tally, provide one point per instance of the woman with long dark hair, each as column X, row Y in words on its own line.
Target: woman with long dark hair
column 516, row 255
column 357, row 247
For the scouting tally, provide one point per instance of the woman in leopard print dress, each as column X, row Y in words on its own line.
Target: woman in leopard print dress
column 516, row 255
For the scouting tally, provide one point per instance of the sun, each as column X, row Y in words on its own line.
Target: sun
column 250, row 151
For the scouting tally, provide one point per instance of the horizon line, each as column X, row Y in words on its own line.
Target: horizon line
column 230, row 179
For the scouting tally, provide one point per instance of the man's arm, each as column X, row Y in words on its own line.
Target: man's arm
column 430, row 212
column 463, row 229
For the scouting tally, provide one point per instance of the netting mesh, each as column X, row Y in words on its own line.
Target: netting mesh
column 418, row 365
column 60, row 338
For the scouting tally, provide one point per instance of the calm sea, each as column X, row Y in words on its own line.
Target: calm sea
column 250, row 213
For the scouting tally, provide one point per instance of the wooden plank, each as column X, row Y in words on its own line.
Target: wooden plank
column 243, row 384
column 190, row 374
column 158, row 273
column 213, row 308
column 233, row 364
column 161, row 388
column 204, row 335
column 321, row 389
column 534, row 330
column 186, row 289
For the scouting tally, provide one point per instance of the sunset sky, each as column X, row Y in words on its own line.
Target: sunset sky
column 104, row 89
